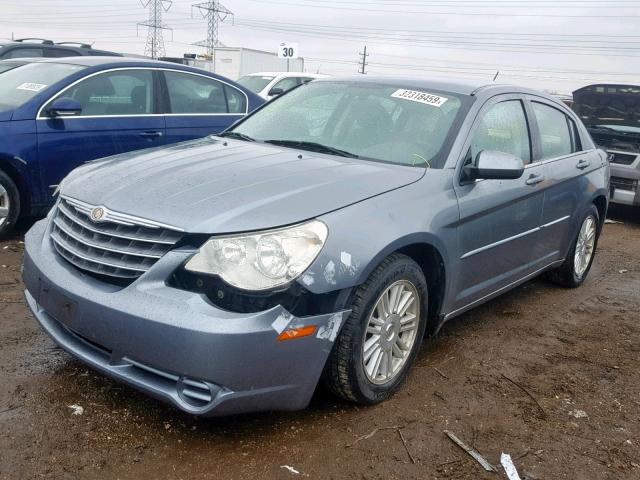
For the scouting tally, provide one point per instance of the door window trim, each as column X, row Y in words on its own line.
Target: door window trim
column 39, row 115
column 571, row 124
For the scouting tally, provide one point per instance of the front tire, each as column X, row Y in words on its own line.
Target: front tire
column 9, row 204
column 573, row 272
column 382, row 336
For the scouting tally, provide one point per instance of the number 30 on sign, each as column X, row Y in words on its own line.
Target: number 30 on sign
column 288, row 50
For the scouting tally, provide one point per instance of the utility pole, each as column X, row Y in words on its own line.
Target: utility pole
column 154, row 47
column 215, row 13
column 363, row 61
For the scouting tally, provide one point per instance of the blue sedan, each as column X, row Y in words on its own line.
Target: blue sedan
column 58, row 114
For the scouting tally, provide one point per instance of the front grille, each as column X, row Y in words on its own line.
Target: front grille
column 117, row 246
column 624, row 183
column 622, row 158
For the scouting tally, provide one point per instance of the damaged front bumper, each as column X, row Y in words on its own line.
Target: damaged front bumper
column 174, row 344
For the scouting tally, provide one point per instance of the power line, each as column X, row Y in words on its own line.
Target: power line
column 324, row 5
column 155, row 40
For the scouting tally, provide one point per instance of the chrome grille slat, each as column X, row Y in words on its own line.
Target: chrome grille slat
column 110, row 247
column 69, row 232
column 114, row 233
column 62, row 243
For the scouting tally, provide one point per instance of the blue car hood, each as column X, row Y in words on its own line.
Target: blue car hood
column 216, row 186
column 6, row 115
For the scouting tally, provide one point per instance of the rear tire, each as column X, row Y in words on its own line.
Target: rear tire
column 9, row 204
column 381, row 323
column 573, row 272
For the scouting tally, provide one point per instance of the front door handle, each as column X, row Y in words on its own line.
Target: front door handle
column 582, row 164
column 535, row 179
column 151, row 134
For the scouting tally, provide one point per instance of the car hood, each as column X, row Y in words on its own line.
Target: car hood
column 222, row 186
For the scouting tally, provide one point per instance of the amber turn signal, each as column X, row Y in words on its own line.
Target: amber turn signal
column 297, row 333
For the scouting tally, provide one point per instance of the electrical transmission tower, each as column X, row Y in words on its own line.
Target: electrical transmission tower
column 363, row 61
column 215, row 13
column 155, row 41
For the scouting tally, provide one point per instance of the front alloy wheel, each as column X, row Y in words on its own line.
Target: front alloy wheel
column 9, row 203
column 391, row 332
column 381, row 338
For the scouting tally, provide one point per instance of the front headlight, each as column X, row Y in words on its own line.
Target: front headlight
column 261, row 260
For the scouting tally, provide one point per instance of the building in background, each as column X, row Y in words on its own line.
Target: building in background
column 235, row 62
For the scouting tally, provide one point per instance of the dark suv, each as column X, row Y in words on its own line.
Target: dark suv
column 39, row 47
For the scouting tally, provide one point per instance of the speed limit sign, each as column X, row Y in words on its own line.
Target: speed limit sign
column 288, row 50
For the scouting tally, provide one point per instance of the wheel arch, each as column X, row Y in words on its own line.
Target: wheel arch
column 601, row 204
column 429, row 253
column 17, row 174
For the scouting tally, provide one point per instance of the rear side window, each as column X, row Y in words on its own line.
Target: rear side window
column 122, row 92
column 236, row 100
column 60, row 52
column 556, row 135
column 503, row 128
column 196, row 94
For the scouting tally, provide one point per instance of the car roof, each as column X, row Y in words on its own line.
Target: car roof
column 120, row 62
column 461, row 87
column 286, row 74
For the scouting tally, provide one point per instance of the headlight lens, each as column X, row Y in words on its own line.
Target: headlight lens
column 262, row 260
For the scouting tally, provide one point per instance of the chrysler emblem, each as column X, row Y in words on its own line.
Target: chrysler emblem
column 97, row 214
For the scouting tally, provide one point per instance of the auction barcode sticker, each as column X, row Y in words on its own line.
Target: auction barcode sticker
column 32, row 87
column 421, row 97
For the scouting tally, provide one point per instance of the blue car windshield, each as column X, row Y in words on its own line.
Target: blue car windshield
column 21, row 84
column 370, row 121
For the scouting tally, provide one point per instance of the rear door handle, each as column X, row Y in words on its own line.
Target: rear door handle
column 151, row 134
column 582, row 164
column 535, row 179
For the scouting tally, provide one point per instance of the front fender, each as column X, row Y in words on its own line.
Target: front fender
column 363, row 234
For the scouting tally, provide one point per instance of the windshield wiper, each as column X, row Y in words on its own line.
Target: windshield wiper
column 237, row 136
column 312, row 147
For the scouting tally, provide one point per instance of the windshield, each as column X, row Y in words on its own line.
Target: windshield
column 255, row 83
column 20, row 85
column 6, row 66
column 361, row 120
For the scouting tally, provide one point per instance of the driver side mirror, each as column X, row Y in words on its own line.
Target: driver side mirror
column 276, row 91
column 64, row 107
column 493, row 165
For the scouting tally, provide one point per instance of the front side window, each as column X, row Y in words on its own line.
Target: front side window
column 285, row 84
column 195, row 94
column 555, row 133
column 369, row 121
column 122, row 92
column 255, row 83
column 21, row 84
column 23, row 53
column 503, row 128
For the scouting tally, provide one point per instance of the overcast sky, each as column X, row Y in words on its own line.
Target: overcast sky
column 548, row 44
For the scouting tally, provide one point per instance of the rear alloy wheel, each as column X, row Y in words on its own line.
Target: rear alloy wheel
column 573, row 272
column 382, row 336
column 9, row 204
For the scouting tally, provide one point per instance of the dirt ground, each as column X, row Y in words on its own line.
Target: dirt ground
column 548, row 375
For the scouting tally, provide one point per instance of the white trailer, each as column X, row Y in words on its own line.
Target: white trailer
column 234, row 63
